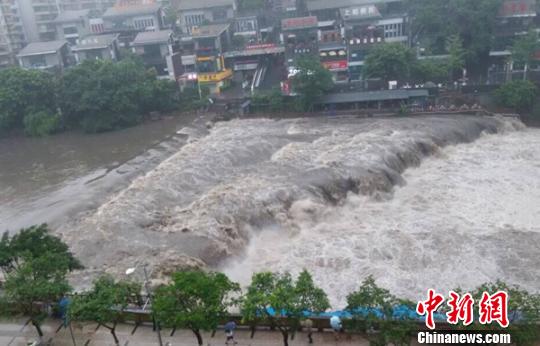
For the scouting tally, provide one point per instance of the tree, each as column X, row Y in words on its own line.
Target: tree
column 473, row 21
column 277, row 298
column 429, row 70
column 105, row 303
column 32, row 242
column 389, row 61
column 35, row 265
column 25, row 93
column 456, row 53
column 195, row 300
column 523, row 51
column 311, row 81
column 103, row 95
column 373, row 308
column 519, row 95
column 523, row 312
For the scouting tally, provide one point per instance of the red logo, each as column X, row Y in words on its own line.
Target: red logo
column 429, row 306
column 491, row 308
column 494, row 308
column 461, row 308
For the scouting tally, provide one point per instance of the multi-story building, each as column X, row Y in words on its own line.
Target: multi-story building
column 97, row 47
column 193, row 13
column 154, row 48
column 299, row 36
column 38, row 19
column 11, row 32
column 145, row 17
column 71, row 25
column 95, row 6
column 333, row 50
column 51, row 55
column 210, row 41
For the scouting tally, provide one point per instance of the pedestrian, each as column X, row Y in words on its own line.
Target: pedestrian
column 308, row 325
column 337, row 327
column 229, row 332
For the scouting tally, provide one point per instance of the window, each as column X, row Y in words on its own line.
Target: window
column 143, row 23
column 194, row 19
column 37, row 60
column 70, row 30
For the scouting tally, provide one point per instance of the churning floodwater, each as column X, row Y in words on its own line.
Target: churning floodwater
column 418, row 202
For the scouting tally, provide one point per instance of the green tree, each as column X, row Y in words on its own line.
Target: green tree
column 195, row 300
column 311, row 82
column 474, row 21
column 105, row 303
column 523, row 51
column 25, row 93
column 372, row 309
column 103, row 95
column 456, row 61
column 31, row 243
column 35, row 265
column 429, row 70
column 519, row 95
column 523, row 312
column 280, row 300
column 389, row 61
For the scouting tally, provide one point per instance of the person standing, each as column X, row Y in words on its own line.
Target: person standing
column 307, row 324
column 337, row 327
column 229, row 332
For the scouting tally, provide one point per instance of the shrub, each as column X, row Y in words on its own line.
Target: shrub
column 518, row 95
column 41, row 123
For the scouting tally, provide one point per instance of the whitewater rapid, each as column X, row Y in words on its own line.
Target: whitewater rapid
column 401, row 199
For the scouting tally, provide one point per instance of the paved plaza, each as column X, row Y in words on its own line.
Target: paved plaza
column 18, row 333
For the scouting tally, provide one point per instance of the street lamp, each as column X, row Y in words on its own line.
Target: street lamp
column 131, row 271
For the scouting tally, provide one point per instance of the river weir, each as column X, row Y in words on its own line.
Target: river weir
column 442, row 202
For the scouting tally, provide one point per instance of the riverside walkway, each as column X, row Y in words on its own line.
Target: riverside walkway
column 18, row 333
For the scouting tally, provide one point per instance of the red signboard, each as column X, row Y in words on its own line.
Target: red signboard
column 518, row 8
column 299, row 23
column 260, row 46
column 335, row 65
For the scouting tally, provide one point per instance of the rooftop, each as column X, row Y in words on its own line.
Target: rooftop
column 40, row 48
column 317, row 5
column 128, row 11
column 95, row 42
column 366, row 96
column 149, row 37
column 211, row 30
column 71, row 16
column 198, row 4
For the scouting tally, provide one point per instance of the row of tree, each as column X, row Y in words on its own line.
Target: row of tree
column 35, row 264
column 94, row 96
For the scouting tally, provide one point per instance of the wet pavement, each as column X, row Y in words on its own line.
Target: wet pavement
column 16, row 333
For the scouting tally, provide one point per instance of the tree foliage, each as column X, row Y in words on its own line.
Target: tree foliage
column 389, row 61
column 311, row 81
column 519, row 95
column 278, row 298
column 523, row 51
column 26, row 95
column 473, row 21
column 35, row 265
column 103, row 95
column 372, row 308
column 195, row 300
column 105, row 303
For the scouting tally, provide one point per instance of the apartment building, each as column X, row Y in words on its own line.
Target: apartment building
column 194, row 13
column 11, row 32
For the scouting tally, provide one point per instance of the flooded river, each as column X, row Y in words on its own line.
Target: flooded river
column 421, row 202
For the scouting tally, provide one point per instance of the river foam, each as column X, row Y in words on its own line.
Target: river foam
column 329, row 195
